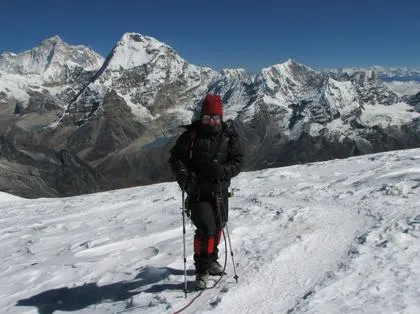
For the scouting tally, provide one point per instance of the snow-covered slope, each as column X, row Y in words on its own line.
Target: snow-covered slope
column 334, row 237
column 402, row 88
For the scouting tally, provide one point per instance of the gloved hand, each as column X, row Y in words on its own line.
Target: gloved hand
column 182, row 177
column 187, row 206
column 191, row 183
column 214, row 170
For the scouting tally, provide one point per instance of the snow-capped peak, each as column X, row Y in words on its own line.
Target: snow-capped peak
column 134, row 50
column 235, row 73
column 52, row 40
column 398, row 73
column 290, row 68
column 289, row 62
column 7, row 54
column 49, row 59
column 289, row 73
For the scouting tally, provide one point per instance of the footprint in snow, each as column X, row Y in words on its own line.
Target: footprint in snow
column 216, row 301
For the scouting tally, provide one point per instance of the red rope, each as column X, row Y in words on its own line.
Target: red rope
column 216, row 283
column 191, row 302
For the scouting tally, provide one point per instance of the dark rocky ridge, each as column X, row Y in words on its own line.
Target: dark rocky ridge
column 273, row 111
column 35, row 171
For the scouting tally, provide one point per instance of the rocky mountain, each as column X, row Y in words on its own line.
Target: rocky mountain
column 385, row 74
column 296, row 114
column 121, row 115
column 414, row 101
column 34, row 171
column 53, row 70
column 54, row 61
column 153, row 80
column 402, row 81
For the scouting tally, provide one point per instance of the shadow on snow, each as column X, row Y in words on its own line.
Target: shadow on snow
column 77, row 298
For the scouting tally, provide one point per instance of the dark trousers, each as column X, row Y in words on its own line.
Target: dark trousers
column 209, row 214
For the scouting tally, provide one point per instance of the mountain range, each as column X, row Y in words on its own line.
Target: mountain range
column 385, row 73
column 118, row 116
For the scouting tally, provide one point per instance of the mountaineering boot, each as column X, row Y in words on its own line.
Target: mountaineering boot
column 201, row 280
column 216, row 269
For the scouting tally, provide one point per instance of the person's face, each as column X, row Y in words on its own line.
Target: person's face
column 211, row 119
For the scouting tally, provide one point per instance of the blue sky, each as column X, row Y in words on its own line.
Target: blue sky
column 221, row 34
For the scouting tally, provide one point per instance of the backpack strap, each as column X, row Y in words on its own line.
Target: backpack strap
column 193, row 136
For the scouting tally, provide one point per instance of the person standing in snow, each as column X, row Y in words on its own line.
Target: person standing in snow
column 204, row 159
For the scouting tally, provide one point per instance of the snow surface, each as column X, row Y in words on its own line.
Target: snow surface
column 341, row 236
column 14, row 86
column 5, row 197
column 341, row 96
column 384, row 116
column 372, row 115
column 404, row 88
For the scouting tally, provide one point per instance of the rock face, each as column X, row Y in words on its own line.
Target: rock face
column 414, row 101
column 153, row 80
column 107, row 129
column 121, row 115
column 34, row 171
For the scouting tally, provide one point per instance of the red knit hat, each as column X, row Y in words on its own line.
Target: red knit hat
column 212, row 105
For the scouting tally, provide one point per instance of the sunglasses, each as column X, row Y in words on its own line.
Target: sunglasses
column 207, row 118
